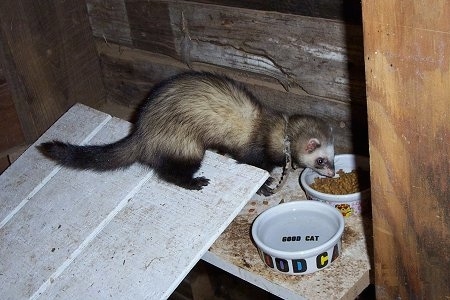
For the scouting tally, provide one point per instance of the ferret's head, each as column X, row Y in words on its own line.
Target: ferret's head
column 312, row 144
column 316, row 155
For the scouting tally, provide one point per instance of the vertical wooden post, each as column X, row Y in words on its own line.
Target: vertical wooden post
column 49, row 58
column 407, row 55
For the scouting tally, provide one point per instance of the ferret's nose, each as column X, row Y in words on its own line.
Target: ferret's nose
column 331, row 169
column 330, row 172
column 326, row 172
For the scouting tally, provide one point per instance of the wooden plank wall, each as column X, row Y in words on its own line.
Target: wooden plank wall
column 11, row 136
column 49, row 60
column 294, row 62
column 407, row 53
column 343, row 10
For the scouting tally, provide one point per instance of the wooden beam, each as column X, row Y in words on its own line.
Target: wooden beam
column 407, row 54
column 11, row 132
column 323, row 57
column 343, row 10
column 49, row 59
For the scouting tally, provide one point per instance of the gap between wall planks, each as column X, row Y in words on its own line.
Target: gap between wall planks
column 407, row 54
column 49, row 60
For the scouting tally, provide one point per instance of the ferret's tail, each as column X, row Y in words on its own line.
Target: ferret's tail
column 120, row 154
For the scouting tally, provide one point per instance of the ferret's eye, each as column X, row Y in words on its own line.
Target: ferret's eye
column 320, row 161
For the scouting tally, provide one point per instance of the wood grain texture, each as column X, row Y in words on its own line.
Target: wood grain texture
column 4, row 163
column 407, row 49
column 344, row 10
column 50, row 60
column 11, row 134
column 18, row 183
column 323, row 57
column 115, row 25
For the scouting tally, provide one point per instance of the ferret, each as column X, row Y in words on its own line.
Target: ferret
column 194, row 111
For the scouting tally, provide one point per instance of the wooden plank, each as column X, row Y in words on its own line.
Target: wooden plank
column 348, row 11
column 116, row 27
column 158, row 237
column 18, row 184
column 345, row 279
column 50, row 60
column 118, row 234
column 407, row 46
column 129, row 74
column 11, row 155
column 320, row 56
column 11, row 134
column 4, row 163
column 58, row 217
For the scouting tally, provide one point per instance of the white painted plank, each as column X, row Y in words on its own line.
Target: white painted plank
column 63, row 240
column 18, row 182
column 62, row 214
column 159, row 236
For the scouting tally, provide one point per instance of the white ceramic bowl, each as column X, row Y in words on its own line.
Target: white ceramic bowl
column 298, row 237
column 349, row 204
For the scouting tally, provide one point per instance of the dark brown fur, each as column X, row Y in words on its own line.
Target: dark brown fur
column 192, row 112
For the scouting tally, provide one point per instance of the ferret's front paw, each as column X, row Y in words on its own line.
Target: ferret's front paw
column 265, row 190
column 269, row 181
column 198, row 183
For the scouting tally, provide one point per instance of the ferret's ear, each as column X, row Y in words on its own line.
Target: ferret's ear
column 312, row 145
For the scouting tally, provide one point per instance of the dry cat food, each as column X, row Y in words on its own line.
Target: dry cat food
column 346, row 183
